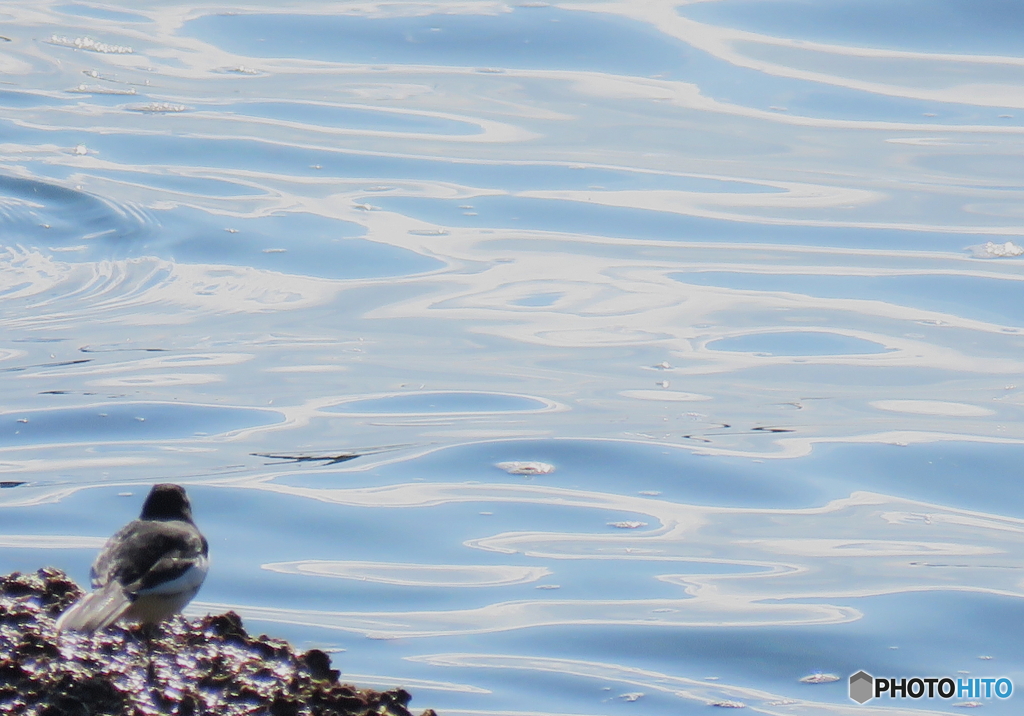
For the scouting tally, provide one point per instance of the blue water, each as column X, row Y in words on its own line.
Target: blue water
column 794, row 343
column 537, row 37
column 984, row 26
column 440, row 403
column 563, row 360
column 126, row 422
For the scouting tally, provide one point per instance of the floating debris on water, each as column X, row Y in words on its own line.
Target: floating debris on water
column 158, row 108
column 332, row 458
column 627, row 524
column 208, row 665
column 632, row 696
column 99, row 89
column 817, row 678
column 87, row 43
column 526, row 467
column 326, row 459
column 992, row 250
column 729, row 704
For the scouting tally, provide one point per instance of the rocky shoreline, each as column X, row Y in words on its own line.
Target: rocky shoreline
column 182, row 667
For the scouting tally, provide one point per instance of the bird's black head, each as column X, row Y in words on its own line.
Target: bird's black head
column 166, row 502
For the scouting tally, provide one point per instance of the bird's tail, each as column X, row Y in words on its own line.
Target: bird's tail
column 95, row 610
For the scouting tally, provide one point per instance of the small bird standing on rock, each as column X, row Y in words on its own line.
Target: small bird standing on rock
column 148, row 571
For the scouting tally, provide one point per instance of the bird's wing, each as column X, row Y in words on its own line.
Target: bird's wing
column 106, row 565
column 170, row 575
column 147, row 552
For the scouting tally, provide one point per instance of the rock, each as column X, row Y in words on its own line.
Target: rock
column 181, row 667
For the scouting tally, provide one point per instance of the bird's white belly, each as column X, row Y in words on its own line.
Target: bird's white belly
column 164, row 600
column 190, row 581
column 155, row 608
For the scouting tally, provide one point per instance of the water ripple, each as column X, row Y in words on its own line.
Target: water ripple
column 415, row 575
column 685, row 339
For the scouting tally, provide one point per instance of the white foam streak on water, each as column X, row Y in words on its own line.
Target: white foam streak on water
column 390, row 682
column 205, row 360
column 742, row 48
column 688, row 96
column 50, row 542
column 673, row 396
column 686, row 689
column 35, row 466
column 932, row 407
column 426, row 575
column 717, row 207
column 800, row 447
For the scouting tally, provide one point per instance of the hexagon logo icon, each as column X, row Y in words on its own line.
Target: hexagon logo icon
column 862, row 687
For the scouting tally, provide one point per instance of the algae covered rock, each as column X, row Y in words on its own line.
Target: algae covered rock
column 184, row 667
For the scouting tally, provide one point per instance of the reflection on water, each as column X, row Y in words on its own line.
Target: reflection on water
column 540, row 37
column 116, row 422
column 541, row 359
column 430, row 403
column 794, row 343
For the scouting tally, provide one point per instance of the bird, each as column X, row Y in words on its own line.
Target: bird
column 148, row 571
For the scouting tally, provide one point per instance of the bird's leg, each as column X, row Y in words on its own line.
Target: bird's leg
column 147, row 631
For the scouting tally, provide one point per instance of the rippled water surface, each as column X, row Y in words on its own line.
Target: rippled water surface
column 584, row 358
